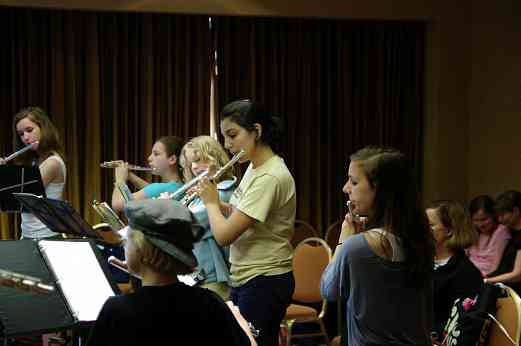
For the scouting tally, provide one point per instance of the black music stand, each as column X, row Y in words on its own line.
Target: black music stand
column 79, row 274
column 15, row 179
column 59, row 216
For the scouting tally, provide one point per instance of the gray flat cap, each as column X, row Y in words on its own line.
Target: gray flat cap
column 167, row 224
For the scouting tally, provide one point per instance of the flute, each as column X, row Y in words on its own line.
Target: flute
column 189, row 198
column 20, row 152
column 23, row 282
column 356, row 217
column 188, row 279
column 115, row 164
column 179, row 192
column 116, row 262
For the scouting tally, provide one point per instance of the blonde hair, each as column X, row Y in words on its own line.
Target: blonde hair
column 155, row 258
column 207, row 149
column 456, row 219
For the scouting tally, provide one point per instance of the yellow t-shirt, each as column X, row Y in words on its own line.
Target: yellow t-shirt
column 266, row 194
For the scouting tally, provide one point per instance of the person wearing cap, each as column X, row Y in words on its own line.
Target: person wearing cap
column 158, row 247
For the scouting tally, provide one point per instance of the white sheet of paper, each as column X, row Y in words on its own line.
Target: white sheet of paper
column 187, row 280
column 80, row 276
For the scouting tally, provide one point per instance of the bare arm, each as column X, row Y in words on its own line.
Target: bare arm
column 118, row 202
column 225, row 230
column 137, row 181
column 121, row 175
column 513, row 276
column 51, row 172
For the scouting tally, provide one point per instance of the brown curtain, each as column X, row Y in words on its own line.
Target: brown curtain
column 339, row 85
column 112, row 83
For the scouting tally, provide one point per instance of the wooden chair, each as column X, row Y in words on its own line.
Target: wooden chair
column 508, row 314
column 310, row 259
column 125, row 288
column 331, row 237
column 303, row 230
column 333, row 232
column 335, row 341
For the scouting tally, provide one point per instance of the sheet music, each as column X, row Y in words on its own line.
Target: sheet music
column 79, row 275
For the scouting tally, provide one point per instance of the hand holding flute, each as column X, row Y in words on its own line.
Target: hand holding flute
column 121, row 173
column 17, row 153
column 353, row 223
column 207, row 189
column 193, row 187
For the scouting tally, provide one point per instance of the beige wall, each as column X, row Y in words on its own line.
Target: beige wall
column 446, row 113
column 472, row 102
column 494, row 159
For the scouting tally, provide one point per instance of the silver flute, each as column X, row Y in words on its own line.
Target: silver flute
column 116, row 262
column 356, row 217
column 20, row 152
column 116, row 164
column 189, row 198
column 179, row 192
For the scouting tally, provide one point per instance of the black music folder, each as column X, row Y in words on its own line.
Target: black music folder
column 57, row 214
column 14, row 179
column 76, row 268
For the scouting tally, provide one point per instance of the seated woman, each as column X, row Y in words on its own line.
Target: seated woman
column 197, row 156
column 454, row 274
column 508, row 210
column 493, row 237
column 164, row 159
column 158, row 247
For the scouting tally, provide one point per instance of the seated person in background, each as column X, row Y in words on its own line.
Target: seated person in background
column 158, row 247
column 508, row 210
column 493, row 236
column 454, row 274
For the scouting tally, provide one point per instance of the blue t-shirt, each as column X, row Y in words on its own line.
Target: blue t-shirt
column 383, row 307
column 155, row 189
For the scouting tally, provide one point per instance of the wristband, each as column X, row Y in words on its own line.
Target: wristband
column 125, row 191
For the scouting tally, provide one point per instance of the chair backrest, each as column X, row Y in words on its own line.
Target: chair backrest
column 333, row 232
column 302, row 230
column 310, row 259
column 509, row 315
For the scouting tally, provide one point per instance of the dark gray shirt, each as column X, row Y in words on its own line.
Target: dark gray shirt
column 382, row 306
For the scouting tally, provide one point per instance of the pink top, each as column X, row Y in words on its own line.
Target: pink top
column 487, row 253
